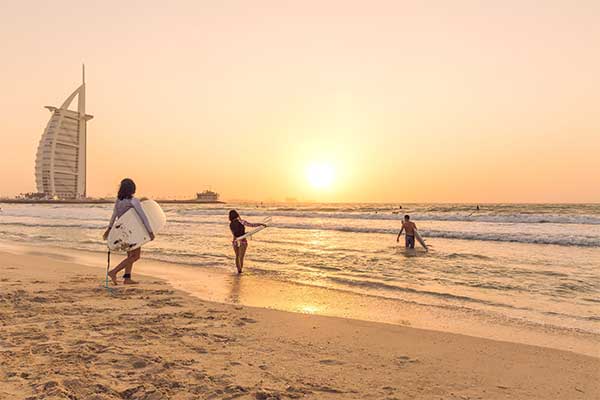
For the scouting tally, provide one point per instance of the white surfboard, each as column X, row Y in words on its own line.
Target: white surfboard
column 420, row 240
column 266, row 221
column 129, row 233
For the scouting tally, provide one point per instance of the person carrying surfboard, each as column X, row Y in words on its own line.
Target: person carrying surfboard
column 238, row 228
column 409, row 227
column 126, row 201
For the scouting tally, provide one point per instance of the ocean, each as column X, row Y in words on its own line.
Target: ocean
column 535, row 263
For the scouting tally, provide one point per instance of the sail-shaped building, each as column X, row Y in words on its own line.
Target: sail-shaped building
column 60, row 165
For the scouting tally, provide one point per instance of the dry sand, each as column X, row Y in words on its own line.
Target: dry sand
column 63, row 336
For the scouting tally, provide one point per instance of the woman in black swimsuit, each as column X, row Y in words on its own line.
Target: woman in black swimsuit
column 238, row 228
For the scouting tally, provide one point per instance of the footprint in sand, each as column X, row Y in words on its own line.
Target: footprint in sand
column 142, row 392
column 187, row 314
column 213, row 311
column 405, row 360
column 139, row 364
column 163, row 291
column 158, row 303
column 264, row 395
column 330, row 362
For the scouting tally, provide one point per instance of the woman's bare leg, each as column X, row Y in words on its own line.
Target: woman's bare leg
column 134, row 255
column 237, row 257
column 123, row 264
column 242, row 252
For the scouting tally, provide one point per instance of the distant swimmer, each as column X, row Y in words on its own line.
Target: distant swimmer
column 476, row 209
column 409, row 227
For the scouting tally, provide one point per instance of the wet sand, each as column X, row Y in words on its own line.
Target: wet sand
column 253, row 289
column 64, row 336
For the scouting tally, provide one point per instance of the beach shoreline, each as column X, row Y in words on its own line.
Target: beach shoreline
column 64, row 335
column 224, row 286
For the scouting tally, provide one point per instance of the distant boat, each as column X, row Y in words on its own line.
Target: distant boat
column 208, row 196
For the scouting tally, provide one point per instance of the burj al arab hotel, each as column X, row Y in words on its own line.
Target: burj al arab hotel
column 60, row 165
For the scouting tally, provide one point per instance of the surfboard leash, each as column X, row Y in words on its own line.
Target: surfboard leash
column 108, row 288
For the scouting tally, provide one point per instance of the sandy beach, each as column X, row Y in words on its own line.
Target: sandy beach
column 64, row 336
column 327, row 200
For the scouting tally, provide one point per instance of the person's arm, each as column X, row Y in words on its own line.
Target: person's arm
column 138, row 208
column 250, row 224
column 111, row 223
column 400, row 233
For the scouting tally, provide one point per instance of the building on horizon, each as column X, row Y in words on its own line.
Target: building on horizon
column 60, row 164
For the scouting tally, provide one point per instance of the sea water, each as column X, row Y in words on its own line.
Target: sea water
column 535, row 263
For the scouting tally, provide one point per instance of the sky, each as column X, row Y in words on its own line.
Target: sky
column 342, row 101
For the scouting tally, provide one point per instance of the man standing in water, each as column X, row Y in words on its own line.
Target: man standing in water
column 410, row 227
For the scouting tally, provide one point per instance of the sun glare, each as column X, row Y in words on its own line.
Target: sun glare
column 320, row 176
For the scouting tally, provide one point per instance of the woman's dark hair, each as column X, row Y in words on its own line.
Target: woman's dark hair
column 233, row 215
column 127, row 189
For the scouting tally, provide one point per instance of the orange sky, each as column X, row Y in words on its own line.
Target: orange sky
column 455, row 101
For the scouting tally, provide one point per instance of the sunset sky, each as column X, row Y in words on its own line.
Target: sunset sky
column 316, row 100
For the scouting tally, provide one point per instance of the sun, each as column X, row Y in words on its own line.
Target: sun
column 319, row 175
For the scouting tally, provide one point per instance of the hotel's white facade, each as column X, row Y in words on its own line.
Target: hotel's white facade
column 60, row 165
